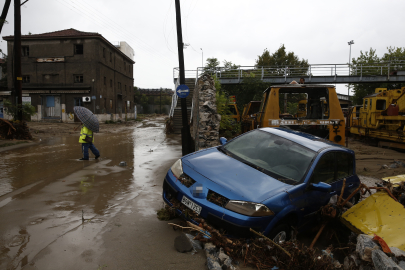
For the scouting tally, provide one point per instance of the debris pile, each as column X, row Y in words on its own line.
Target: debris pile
column 14, row 130
column 397, row 189
column 374, row 253
column 261, row 253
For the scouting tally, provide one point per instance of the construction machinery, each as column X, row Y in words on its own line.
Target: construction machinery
column 249, row 114
column 320, row 112
column 382, row 117
column 234, row 112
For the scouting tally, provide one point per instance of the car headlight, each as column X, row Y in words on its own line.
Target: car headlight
column 249, row 208
column 177, row 168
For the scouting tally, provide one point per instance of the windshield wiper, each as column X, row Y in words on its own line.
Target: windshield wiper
column 260, row 169
column 286, row 180
column 221, row 149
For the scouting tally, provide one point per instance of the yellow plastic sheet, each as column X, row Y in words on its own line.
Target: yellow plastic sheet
column 381, row 215
column 395, row 179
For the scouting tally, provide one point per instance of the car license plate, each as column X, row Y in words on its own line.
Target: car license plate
column 195, row 207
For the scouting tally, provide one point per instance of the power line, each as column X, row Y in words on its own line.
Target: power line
column 164, row 28
column 115, row 30
column 109, row 25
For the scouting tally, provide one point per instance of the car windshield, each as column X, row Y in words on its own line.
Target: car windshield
column 282, row 159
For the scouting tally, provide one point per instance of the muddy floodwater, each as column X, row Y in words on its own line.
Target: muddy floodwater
column 57, row 212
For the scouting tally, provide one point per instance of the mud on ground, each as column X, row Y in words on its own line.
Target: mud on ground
column 370, row 160
column 42, row 130
column 45, row 130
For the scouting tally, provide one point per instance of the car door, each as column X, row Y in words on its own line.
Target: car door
column 345, row 170
column 307, row 200
column 324, row 171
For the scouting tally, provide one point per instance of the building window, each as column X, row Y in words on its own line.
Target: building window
column 111, row 104
column 78, row 48
column 26, row 79
column 105, row 80
column 119, row 86
column 110, row 56
column 103, row 52
column 25, row 50
column 110, row 82
column 78, row 78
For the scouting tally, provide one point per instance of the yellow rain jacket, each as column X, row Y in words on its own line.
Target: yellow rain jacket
column 83, row 132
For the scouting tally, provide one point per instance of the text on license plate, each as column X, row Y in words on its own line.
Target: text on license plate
column 195, row 207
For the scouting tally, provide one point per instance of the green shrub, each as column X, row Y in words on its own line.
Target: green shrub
column 27, row 109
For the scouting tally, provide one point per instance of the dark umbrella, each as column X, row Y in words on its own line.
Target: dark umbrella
column 87, row 118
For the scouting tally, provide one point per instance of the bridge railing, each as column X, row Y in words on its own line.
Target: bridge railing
column 174, row 99
column 296, row 71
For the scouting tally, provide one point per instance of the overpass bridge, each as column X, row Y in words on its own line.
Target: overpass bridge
column 388, row 72
column 391, row 72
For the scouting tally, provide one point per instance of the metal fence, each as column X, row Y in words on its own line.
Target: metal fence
column 315, row 70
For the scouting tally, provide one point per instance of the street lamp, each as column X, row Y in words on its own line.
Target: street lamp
column 350, row 52
column 202, row 57
column 350, row 58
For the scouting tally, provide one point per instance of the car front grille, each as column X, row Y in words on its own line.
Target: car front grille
column 186, row 180
column 217, row 198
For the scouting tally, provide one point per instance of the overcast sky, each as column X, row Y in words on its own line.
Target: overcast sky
column 231, row 30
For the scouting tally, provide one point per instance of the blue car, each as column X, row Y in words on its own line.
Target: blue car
column 269, row 179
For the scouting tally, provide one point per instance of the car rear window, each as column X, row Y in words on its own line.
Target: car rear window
column 283, row 159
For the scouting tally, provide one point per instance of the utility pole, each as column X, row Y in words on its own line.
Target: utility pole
column 4, row 13
column 185, row 130
column 17, row 57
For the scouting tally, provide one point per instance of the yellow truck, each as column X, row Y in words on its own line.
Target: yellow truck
column 322, row 117
column 382, row 116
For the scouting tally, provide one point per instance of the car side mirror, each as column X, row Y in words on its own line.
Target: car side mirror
column 321, row 186
column 223, row 140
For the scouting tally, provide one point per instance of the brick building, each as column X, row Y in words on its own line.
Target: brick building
column 70, row 68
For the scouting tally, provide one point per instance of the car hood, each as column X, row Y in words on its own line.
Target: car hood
column 244, row 182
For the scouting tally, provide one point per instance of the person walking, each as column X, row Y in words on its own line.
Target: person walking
column 87, row 139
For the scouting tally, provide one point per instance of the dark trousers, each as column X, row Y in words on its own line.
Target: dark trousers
column 85, row 150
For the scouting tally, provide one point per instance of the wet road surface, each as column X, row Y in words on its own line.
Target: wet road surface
column 57, row 212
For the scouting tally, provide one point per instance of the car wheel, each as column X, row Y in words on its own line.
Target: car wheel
column 281, row 233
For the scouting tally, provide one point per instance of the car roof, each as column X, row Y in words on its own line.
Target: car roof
column 307, row 140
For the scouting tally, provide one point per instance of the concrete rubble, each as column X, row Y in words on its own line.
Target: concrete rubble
column 368, row 255
column 217, row 259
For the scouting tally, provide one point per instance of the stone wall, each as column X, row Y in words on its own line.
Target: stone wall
column 205, row 120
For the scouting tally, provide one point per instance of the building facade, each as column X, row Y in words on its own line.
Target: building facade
column 156, row 100
column 70, row 68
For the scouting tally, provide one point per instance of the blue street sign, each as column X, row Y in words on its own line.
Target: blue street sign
column 182, row 91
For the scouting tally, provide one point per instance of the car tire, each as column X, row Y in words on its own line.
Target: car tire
column 281, row 233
